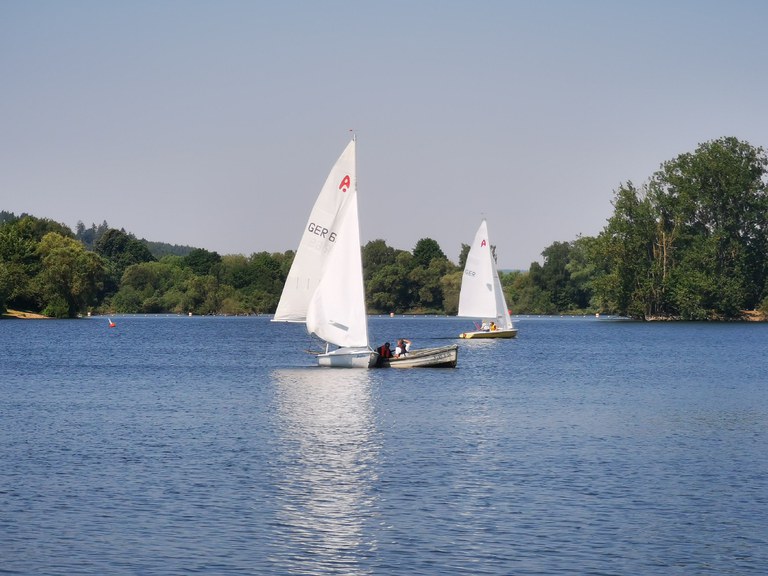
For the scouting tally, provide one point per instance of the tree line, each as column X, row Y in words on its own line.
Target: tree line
column 691, row 244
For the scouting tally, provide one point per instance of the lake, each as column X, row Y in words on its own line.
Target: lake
column 188, row 445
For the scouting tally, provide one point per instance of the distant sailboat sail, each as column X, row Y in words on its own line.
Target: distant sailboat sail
column 481, row 293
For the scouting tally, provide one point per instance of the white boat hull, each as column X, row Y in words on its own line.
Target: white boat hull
column 509, row 333
column 443, row 357
column 348, row 358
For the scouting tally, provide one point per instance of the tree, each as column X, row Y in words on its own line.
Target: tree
column 387, row 290
column 376, row 254
column 202, row 295
column 5, row 286
column 121, row 250
column 236, row 271
column 582, row 271
column 20, row 263
column 428, row 292
column 202, row 262
column 693, row 243
column 564, row 279
column 463, row 255
column 554, row 276
column 425, row 250
column 522, row 295
column 70, row 278
column 716, row 201
column 6, row 217
column 90, row 236
column 265, row 273
column 33, row 228
column 144, row 287
column 390, row 289
column 450, row 284
column 625, row 249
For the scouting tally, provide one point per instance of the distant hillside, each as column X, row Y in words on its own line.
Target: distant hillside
column 160, row 249
column 10, row 216
column 90, row 236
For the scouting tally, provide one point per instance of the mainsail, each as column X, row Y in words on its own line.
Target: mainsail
column 481, row 294
column 318, row 241
column 337, row 308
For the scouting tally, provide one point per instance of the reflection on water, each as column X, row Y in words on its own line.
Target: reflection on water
column 328, row 452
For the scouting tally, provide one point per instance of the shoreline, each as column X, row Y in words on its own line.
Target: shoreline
column 21, row 315
column 746, row 316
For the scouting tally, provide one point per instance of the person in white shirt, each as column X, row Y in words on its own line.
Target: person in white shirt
column 403, row 347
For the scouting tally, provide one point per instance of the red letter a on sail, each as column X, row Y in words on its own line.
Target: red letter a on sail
column 344, row 186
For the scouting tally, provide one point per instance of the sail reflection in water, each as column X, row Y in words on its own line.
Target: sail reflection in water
column 329, row 451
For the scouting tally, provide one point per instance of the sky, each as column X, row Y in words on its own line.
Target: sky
column 214, row 123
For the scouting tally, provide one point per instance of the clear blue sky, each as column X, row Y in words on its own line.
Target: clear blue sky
column 214, row 123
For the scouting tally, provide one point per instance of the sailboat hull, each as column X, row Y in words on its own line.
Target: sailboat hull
column 348, row 358
column 510, row 333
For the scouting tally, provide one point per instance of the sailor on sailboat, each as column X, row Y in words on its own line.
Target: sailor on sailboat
column 324, row 288
column 481, row 295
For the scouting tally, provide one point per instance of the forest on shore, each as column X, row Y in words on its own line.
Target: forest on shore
column 689, row 244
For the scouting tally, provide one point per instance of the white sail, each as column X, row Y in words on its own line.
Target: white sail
column 481, row 295
column 336, row 310
column 324, row 287
column 503, row 319
column 318, row 240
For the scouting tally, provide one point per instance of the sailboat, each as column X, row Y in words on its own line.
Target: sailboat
column 324, row 288
column 481, row 295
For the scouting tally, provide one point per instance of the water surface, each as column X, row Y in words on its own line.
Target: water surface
column 172, row 445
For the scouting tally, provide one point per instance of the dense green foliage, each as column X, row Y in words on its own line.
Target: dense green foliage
column 690, row 244
column 46, row 268
column 693, row 242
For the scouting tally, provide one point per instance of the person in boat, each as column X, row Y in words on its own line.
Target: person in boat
column 484, row 327
column 492, row 327
column 385, row 352
column 403, row 347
